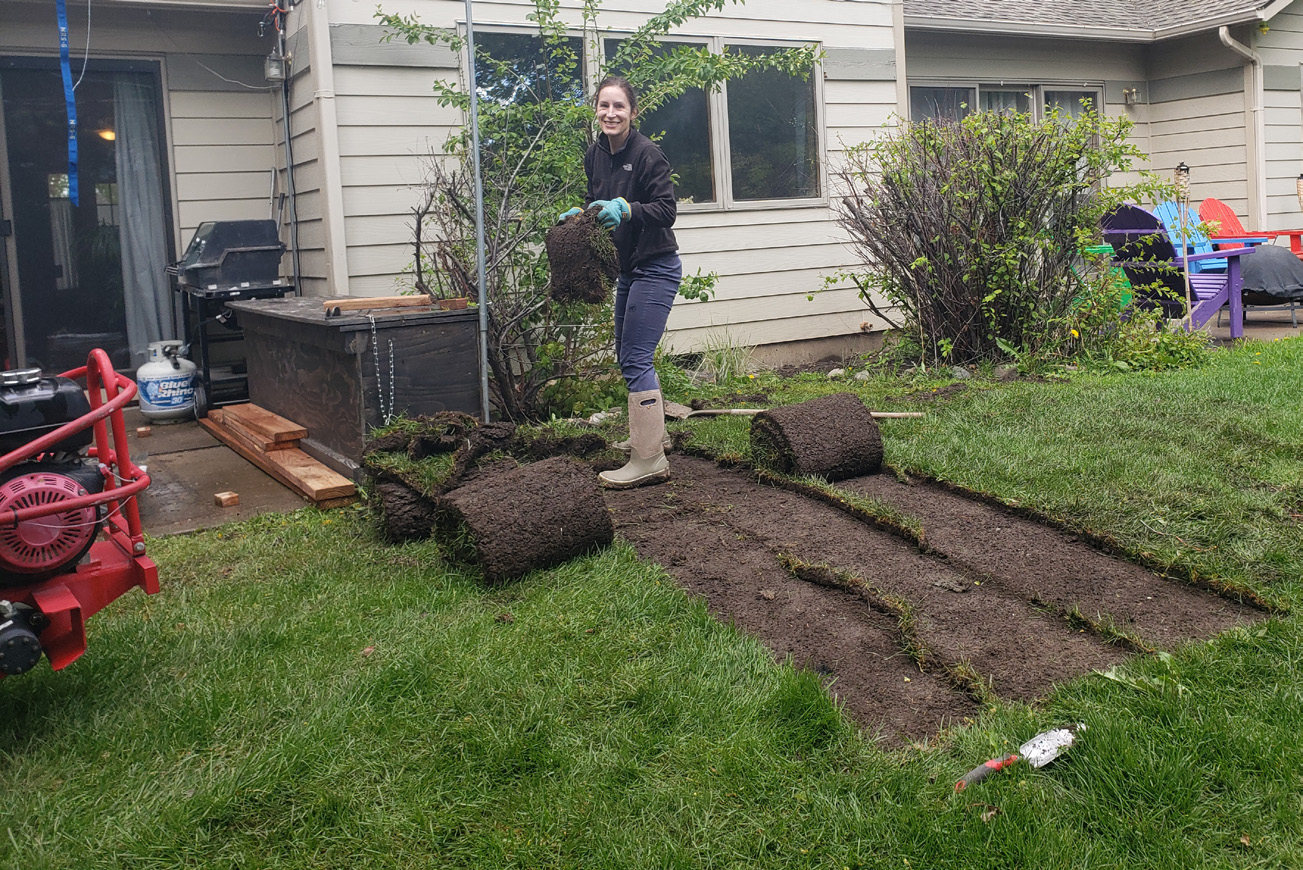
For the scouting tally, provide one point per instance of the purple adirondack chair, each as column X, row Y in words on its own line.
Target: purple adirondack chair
column 1157, row 273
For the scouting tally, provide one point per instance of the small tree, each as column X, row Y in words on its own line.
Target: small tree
column 535, row 125
column 974, row 229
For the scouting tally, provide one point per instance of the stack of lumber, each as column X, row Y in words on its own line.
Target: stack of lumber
column 271, row 442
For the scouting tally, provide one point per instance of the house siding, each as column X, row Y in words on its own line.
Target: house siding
column 769, row 260
column 1281, row 49
column 1199, row 115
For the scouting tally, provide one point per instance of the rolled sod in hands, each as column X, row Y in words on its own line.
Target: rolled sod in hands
column 582, row 258
column 834, row 437
column 521, row 519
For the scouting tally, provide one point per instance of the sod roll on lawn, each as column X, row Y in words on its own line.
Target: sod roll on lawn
column 834, row 437
column 533, row 516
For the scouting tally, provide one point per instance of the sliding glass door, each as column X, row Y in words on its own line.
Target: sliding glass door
column 88, row 273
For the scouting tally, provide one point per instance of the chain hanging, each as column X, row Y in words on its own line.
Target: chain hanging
column 386, row 413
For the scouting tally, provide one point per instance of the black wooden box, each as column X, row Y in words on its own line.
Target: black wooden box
column 321, row 372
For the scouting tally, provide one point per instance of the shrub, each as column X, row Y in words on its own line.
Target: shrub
column 973, row 229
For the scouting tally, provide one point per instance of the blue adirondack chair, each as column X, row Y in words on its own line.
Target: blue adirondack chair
column 1182, row 224
column 1143, row 247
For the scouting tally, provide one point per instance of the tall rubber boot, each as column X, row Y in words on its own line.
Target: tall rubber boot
column 647, row 462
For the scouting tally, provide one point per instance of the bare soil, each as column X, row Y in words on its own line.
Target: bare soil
column 999, row 606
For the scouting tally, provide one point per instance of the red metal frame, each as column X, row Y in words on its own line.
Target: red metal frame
column 116, row 564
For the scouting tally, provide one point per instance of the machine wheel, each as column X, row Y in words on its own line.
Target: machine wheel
column 201, row 400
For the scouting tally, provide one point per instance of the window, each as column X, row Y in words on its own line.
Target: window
column 756, row 140
column 948, row 104
column 773, row 135
column 1007, row 101
column 1069, row 103
column 514, row 68
column 952, row 102
column 681, row 126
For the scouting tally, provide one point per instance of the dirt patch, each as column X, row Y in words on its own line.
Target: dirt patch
column 1055, row 568
column 939, row 393
column 908, row 641
column 582, row 258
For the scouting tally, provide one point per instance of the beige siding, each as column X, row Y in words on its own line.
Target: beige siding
column 1282, row 46
column 305, row 142
column 1210, row 133
column 223, row 165
column 769, row 260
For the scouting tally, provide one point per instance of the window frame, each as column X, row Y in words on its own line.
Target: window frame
column 820, row 123
column 594, row 63
column 1037, row 90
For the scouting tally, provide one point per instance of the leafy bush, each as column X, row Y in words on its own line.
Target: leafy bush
column 973, row 229
column 536, row 122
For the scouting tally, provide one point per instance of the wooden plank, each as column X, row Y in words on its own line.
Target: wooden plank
column 252, row 439
column 294, row 468
column 262, row 421
column 358, row 303
column 313, row 479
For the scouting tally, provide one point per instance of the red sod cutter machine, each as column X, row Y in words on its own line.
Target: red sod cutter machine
column 66, row 480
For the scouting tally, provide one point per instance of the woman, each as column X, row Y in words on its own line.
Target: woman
column 629, row 180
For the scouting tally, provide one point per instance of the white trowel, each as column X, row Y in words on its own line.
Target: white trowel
column 1038, row 752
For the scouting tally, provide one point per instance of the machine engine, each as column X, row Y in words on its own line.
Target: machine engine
column 32, row 406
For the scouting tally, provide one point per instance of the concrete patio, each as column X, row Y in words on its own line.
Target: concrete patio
column 187, row 467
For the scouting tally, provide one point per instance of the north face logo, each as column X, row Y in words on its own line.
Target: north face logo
column 628, row 167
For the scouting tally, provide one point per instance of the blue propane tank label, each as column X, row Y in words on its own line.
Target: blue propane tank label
column 174, row 392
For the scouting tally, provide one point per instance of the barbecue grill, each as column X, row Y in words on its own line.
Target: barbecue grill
column 225, row 261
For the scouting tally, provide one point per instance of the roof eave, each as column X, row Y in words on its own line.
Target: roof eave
column 1023, row 28
column 1110, row 34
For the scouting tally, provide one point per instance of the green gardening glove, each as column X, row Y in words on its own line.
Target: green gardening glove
column 613, row 212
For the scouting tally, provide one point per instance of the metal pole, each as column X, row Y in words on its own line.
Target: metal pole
column 479, row 220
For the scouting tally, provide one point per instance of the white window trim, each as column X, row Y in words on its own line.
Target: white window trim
column 1036, row 90
column 821, row 134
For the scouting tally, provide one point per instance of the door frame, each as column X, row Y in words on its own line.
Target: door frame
column 9, row 283
column 12, row 299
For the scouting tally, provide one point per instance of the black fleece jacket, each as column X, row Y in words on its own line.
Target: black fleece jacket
column 640, row 173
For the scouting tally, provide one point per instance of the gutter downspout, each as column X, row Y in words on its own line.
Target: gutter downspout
column 1259, row 127
column 332, row 188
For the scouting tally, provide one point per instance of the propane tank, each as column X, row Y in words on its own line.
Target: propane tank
column 166, row 382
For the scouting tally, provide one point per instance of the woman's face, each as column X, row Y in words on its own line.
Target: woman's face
column 614, row 113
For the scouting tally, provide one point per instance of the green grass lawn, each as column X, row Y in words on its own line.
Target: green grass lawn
column 301, row 695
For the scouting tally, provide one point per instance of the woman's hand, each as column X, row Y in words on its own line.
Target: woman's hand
column 567, row 214
column 613, row 212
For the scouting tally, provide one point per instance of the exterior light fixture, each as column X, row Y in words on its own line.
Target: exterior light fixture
column 1131, row 96
column 1181, row 178
column 106, row 135
column 273, row 68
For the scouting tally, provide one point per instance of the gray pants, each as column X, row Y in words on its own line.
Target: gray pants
column 643, row 298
